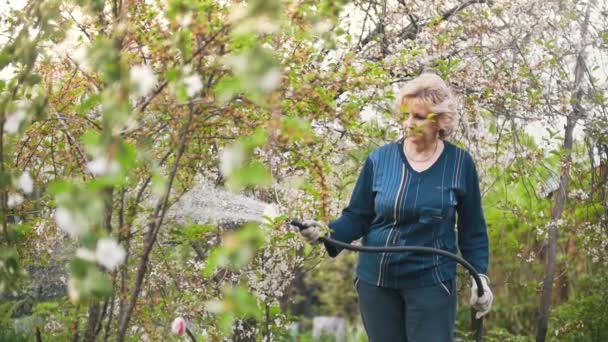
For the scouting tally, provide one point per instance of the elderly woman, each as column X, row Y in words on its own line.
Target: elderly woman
column 411, row 193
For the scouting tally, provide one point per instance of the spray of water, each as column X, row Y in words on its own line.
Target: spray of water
column 207, row 204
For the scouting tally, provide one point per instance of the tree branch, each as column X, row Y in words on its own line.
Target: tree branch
column 154, row 226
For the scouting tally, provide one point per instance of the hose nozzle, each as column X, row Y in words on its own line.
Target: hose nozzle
column 297, row 223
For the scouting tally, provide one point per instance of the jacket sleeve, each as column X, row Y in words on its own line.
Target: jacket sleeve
column 358, row 215
column 472, row 230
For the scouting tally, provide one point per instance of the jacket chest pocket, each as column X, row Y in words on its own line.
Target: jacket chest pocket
column 430, row 215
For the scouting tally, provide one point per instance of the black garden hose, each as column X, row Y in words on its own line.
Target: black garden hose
column 478, row 323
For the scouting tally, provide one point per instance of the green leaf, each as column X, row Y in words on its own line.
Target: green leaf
column 104, row 58
column 60, row 186
column 184, row 43
column 159, row 183
column 226, row 322
column 127, row 156
column 181, row 94
column 5, row 59
column 307, row 250
column 33, row 79
column 91, row 137
column 79, row 268
column 212, row 263
column 97, row 284
column 46, row 308
column 172, row 75
column 258, row 138
column 227, row 88
column 5, row 180
column 20, row 232
column 296, row 129
column 89, row 103
column 254, row 174
column 196, row 232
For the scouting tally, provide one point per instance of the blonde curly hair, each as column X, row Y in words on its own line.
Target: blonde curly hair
column 430, row 90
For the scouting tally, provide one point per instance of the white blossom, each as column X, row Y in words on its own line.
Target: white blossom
column 26, row 183
column 322, row 26
column 231, row 158
column 109, row 253
column 184, row 20
column 214, row 306
column 86, row 254
column 72, row 223
column 259, row 23
column 81, row 56
column 13, row 121
column 102, row 166
column 193, row 84
column 271, row 80
column 73, row 291
column 14, row 200
column 144, row 79
column 69, row 44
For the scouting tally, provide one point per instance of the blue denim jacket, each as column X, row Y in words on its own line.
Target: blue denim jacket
column 394, row 205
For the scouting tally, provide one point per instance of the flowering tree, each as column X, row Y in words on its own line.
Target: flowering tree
column 139, row 97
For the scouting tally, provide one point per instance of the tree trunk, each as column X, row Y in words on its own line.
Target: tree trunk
column 94, row 315
column 558, row 209
column 154, row 226
column 560, row 200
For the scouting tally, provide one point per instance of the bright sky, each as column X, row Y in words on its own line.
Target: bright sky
column 5, row 6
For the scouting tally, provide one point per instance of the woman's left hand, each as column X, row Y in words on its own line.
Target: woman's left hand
column 481, row 304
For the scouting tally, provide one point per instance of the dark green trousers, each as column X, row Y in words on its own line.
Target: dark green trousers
column 423, row 314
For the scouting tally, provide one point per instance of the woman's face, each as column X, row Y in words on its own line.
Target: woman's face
column 419, row 123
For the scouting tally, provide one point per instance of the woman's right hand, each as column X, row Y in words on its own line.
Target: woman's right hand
column 313, row 230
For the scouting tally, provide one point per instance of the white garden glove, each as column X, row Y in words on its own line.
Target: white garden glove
column 481, row 304
column 314, row 230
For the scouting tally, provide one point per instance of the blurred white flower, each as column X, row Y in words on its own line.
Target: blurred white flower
column 13, row 121
column 73, row 291
column 109, row 253
column 178, row 326
column 231, row 157
column 243, row 21
column 184, row 20
column 69, row 44
column 81, row 56
column 271, row 80
column 214, row 306
column 193, row 84
column 73, row 224
column 260, row 24
column 144, row 79
column 102, row 166
column 238, row 63
column 26, row 183
column 85, row 254
column 14, row 200
column 322, row 26
column 8, row 73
